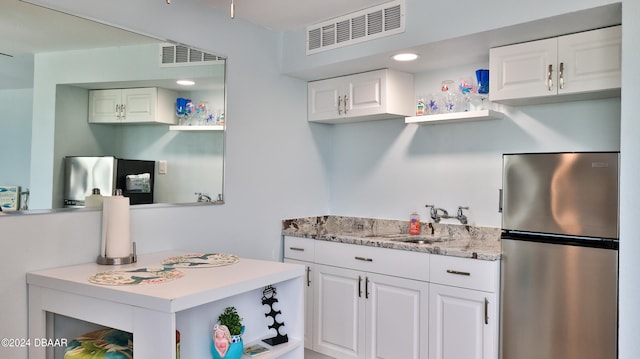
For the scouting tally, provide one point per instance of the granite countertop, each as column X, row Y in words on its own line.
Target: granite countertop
column 443, row 239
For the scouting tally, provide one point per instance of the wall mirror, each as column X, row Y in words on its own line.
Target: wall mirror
column 46, row 86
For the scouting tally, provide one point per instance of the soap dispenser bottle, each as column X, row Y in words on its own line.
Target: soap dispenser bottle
column 94, row 200
column 414, row 223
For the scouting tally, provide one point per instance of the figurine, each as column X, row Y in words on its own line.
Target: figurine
column 227, row 335
column 221, row 339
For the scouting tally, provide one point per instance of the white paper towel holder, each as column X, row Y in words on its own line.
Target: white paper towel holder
column 120, row 260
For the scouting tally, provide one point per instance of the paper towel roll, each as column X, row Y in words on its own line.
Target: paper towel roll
column 116, row 228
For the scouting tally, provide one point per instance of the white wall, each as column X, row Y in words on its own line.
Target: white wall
column 388, row 169
column 15, row 149
column 629, row 316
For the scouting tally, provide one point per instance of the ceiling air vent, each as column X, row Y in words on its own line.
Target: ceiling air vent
column 180, row 55
column 368, row 24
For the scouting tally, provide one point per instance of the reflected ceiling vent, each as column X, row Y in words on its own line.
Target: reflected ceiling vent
column 180, row 55
column 368, row 24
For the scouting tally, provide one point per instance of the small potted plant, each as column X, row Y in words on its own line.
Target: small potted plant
column 227, row 335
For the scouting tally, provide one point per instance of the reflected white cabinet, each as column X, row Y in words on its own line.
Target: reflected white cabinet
column 135, row 105
column 374, row 95
column 577, row 66
column 360, row 313
column 463, row 308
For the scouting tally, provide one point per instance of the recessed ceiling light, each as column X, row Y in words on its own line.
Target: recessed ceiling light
column 405, row 57
column 185, row 82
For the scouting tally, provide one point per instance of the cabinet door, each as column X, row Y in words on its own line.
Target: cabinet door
column 365, row 93
column 308, row 302
column 104, row 106
column 139, row 104
column 397, row 317
column 522, row 70
column 339, row 316
column 591, row 61
column 463, row 323
column 322, row 99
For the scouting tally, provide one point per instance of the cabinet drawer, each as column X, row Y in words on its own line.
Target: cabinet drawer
column 465, row 273
column 405, row 264
column 299, row 248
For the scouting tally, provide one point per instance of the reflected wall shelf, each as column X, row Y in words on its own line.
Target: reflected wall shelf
column 197, row 128
column 455, row 117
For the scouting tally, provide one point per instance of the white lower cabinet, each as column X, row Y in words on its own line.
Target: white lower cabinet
column 368, row 315
column 308, row 302
column 338, row 313
column 462, row 323
column 463, row 308
column 300, row 251
column 374, row 303
column 397, row 317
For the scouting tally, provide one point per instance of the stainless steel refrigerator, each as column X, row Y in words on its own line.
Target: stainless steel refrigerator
column 559, row 269
column 84, row 173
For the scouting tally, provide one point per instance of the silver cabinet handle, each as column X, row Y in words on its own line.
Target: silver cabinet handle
column 345, row 104
column 486, row 311
column 308, row 276
column 118, row 112
column 364, row 259
column 451, row 271
column 549, row 78
column 366, row 288
column 561, row 75
column 339, row 102
column 297, row 249
column 124, row 110
column 359, row 287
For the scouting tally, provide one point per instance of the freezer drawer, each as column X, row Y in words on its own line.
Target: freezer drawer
column 558, row 301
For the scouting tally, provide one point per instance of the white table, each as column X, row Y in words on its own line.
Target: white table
column 152, row 312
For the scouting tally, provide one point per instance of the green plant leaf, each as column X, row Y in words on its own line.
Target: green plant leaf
column 232, row 320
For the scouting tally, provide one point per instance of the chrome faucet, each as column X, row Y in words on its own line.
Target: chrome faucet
column 439, row 213
column 461, row 217
column 433, row 212
column 202, row 197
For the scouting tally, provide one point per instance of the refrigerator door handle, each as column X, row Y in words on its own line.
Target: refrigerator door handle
column 499, row 200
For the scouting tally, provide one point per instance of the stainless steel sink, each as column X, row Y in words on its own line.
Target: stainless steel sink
column 419, row 241
column 407, row 238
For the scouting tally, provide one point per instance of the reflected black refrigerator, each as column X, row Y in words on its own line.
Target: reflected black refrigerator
column 84, row 173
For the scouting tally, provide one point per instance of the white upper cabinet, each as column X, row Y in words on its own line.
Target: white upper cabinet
column 135, row 105
column 375, row 95
column 577, row 66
